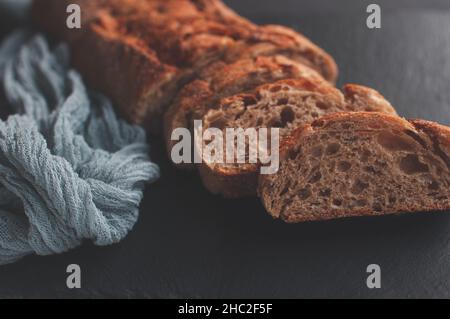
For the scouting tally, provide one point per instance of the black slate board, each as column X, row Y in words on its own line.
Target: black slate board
column 189, row 243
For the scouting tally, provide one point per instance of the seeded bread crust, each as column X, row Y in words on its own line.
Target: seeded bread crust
column 416, row 152
column 180, row 36
column 307, row 100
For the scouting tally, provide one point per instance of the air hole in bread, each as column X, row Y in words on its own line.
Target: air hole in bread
column 377, row 207
column 282, row 101
column 325, row 192
column 337, row 202
column 410, row 164
column 287, row 115
column 344, row 166
column 332, row 149
column 293, row 154
column 394, row 142
column 370, row 169
column 316, row 176
column 249, row 100
column 285, row 190
column 317, row 151
column 358, row 187
column 392, row 199
column 161, row 9
column 276, row 88
column 304, row 193
column 433, row 186
column 322, row 105
column 187, row 36
column 288, row 68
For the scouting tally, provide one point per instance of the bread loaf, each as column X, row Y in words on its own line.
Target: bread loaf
column 171, row 40
column 360, row 164
column 208, row 63
column 286, row 104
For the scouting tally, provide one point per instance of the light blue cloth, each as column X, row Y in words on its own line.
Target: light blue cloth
column 69, row 169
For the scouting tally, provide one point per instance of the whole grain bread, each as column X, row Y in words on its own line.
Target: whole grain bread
column 177, row 37
column 360, row 164
column 286, row 104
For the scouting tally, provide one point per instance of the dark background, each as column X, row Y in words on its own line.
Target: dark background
column 190, row 244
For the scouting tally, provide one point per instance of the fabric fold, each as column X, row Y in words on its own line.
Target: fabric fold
column 70, row 170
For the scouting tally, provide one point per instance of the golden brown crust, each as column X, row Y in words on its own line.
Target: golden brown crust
column 129, row 69
column 439, row 136
column 299, row 48
column 438, row 131
column 366, row 99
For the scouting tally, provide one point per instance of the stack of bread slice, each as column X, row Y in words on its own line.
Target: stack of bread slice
column 167, row 63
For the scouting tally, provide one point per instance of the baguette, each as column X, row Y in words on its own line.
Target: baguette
column 286, row 104
column 360, row 164
column 206, row 62
column 173, row 40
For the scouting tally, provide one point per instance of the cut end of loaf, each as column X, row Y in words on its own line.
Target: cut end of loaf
column 221, row 80
column 360, row 164
column 285, row 105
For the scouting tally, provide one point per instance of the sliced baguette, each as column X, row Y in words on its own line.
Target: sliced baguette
column 360, row 164
column 177, row 37
column 286, row 104
column 221, row 80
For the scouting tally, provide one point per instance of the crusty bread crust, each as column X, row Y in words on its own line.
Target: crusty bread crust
column 139, row 69
column 299, row 48
column 432, row 137
column 180, row 36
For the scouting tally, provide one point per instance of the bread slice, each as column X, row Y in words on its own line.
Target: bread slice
column 286, row 104
column 360, row 164
column 178, row 37
column 221, row 80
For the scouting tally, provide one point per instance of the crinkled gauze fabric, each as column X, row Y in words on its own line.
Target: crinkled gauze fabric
column 69, row 169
